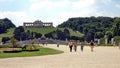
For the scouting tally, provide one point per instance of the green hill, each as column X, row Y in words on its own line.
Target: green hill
column 94, row 27
column 43, row 31
column 48, row 30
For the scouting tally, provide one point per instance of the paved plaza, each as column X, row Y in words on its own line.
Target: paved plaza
column 102, row 57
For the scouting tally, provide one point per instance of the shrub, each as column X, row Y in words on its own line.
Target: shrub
column 117, row 39
column 12, row 50
column 31, row 48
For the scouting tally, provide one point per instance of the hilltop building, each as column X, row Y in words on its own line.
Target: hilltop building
column 37, row 24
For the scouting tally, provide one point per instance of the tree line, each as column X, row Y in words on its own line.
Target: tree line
column 94, row 27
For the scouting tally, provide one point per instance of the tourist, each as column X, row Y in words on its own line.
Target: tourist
column 75, row 45
column 82, row 45
column 119, row 45
column 57, row 44
column 70, row 45
column 46, row 43
column 92, row 45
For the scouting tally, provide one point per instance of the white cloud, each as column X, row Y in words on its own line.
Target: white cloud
column 83, row 4
column 16, row 17
column 106, row 2
column 46, row 4
column 59, row 11
column 6, row 0
column 117, row 5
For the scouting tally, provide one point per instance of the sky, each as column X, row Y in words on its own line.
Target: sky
column 56, row 11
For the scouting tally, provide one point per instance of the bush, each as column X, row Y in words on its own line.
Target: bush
column 5, row 39
column 117, row 39
column 12, row 50
column 31, row 48
column 102, row 41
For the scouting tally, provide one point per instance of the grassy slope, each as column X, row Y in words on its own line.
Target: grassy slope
column 9, row 33
column 39, row 30
column 47, row 30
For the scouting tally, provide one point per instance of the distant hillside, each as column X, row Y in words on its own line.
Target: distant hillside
column 5, row 24
column 43, row 31
column 93, row 27
column 48, row 30
column 81, row 23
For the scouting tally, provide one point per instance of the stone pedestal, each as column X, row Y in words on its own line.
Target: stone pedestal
column 106, row 41
column 112, row 41
column 98, row 41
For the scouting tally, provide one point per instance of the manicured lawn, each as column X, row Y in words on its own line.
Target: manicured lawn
column 41, row 52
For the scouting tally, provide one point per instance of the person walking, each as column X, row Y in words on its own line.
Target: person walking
column 57, row 44
column 70, row 45
column 82, row 45
column 75, row 45
column 92, row 45
column 119, row 45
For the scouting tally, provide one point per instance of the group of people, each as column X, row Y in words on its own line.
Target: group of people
column 74, row 44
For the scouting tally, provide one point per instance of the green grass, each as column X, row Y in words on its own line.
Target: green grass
column 9, row 33
column 48, row 30
column 74, row 33
column 41, row 52
column 41, row 30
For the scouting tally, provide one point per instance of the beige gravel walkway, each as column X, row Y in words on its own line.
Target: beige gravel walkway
column 102, row 57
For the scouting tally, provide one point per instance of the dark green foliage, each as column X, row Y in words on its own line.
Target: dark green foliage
column 5, row 24
column 109, row 36
column 117, row 39
column 99, row 35
column 76, row 38
column 58, row 34
column 49, row 35
column 5, row 39
column 116, row 27
column 19, row 33
column 92, row 27
column 38, row 35
column 66, row 33
column 12, row 50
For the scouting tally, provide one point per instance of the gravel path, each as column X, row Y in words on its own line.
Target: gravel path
column 102, row 57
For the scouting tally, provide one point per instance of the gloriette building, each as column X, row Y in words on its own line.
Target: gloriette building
column 37, row 24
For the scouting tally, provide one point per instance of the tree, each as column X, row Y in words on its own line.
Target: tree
column 13, row 41
column 109, row 36
column 60, row 34
column 86, row 24
column 38, row 35
column 28, row 34
column 49, row 35
column 18, row 32
column 99, row 35
column 2, row 28
column 116, row 27
column 5, row 24
column 66, row 33
column 4, row 39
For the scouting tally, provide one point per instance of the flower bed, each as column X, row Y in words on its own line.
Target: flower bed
column 11, row 50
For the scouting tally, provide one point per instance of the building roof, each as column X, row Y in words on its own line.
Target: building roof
column 37, row 21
